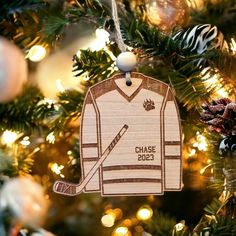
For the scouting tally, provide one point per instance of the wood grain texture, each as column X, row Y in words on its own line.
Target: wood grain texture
column 130, row 139
column 137, row 164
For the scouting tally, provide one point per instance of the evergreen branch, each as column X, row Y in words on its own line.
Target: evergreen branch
column 223, row 61
column 9, row 8
column 138, row 34
column 160, row 225
column 37, row 22
column 224, row 225
column 71, row 102
column 22, row 22
column 70, row 106
column 190, row 91
column 12, row 165
column 53, row 27
column 213, row 207
column 93, row 66
column 16, row 115
column 24, row 163
column 6, row 164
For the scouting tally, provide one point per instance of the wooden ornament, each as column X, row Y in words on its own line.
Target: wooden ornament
column 130, row 139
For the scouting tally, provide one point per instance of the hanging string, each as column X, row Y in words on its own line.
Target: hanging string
column 120, row 42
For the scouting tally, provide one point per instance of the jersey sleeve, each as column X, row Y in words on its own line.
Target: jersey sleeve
column 172, row 145
column 89, row 142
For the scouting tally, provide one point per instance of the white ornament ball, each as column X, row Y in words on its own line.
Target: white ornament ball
column 25, row 198
column 13, row 70
column 126, row 61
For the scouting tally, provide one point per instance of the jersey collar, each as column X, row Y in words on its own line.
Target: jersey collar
column 128, row 92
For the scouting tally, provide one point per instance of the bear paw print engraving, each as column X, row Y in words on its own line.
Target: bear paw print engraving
column 149, row 105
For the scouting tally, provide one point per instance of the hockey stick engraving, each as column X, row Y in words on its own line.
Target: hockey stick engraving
column 72, row 189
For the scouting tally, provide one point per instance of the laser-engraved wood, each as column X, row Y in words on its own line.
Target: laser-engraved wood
column 130, row 139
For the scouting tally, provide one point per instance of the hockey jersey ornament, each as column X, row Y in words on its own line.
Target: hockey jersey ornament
column 130, row 139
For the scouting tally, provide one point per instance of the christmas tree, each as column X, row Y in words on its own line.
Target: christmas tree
column 52, row 52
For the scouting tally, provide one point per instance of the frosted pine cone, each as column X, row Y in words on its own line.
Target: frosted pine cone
column 220, row 115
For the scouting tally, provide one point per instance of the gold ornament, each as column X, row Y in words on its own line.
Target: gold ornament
column 167, row 14
column 135, row 4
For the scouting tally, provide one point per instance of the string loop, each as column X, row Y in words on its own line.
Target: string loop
column 119, row 40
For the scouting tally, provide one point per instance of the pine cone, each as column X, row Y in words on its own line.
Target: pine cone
column 220, row 115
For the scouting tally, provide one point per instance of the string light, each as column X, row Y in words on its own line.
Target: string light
column 86, row 78
column 108, row 220
column 59, row 86
column 144, row 213
column 78, row 54
column 204, row 169
column 233, row 46
column 9, row 137
column 201, row 142
column 51, row 138
column 111, row 215
column 213, row 81
column 180, row 226
column 36, row 53
column 222, row 92
column 102, row 38
column 69, row 153
column 118, row 213
column 102, row 34
column 55, row 168
column 127, row 223
column 192, row 152
column 121, row 231
column 25, row 141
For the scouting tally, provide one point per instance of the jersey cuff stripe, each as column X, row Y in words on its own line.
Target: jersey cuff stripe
column 145, row 180
column 132, row 167
column 172, row 143
column 89, row 145
column 172, row 157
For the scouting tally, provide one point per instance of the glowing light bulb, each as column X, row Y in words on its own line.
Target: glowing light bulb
column 102, row 38
column 118, row 213
column 204, row 168
column 214, row 81
column 222, row 92
column 51, row 138
column 102, row 34
column 36, row 53
column 55, row 168
column 9, row 137
column 25, row 141
column 127, row 222
column 121, row 231
column 59, row 86
column 69, row 153
column 233, row 46
column 180, row 226
column 192, row 153
column 144, row 213
column 201, row 143
column 78, row 54
column 86, row 78
column 108, row 220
